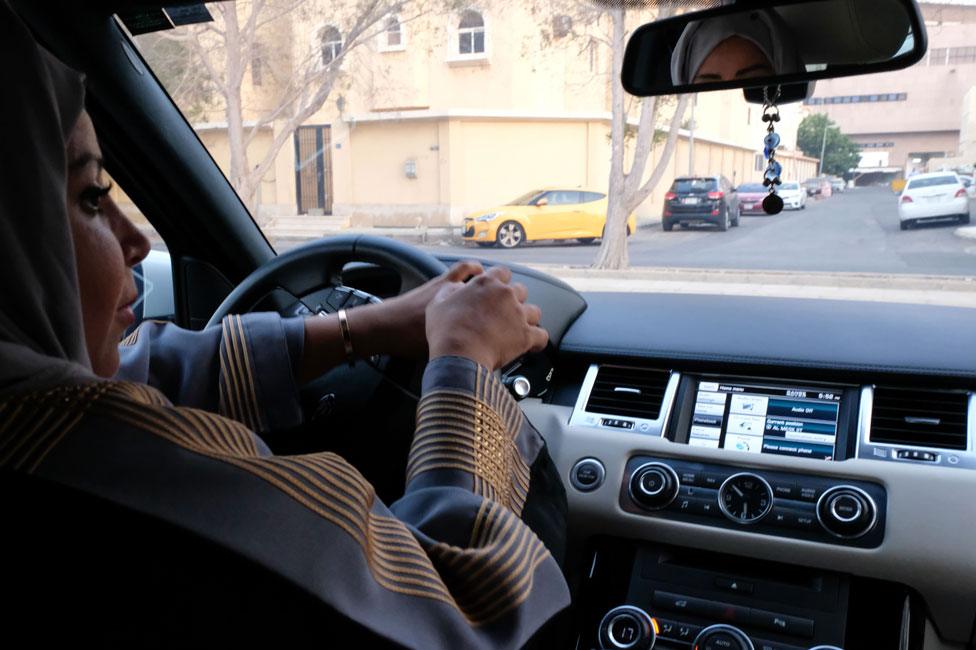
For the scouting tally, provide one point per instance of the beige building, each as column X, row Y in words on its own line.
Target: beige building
column 440, row 115
column 912, row 118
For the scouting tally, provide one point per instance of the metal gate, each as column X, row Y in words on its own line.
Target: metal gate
column 313, row 169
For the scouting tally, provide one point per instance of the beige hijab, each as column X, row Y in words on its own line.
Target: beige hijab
column 42, row 339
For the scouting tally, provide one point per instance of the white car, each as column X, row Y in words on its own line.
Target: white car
column 938, row 196
column 969, row 184
column 793, row 194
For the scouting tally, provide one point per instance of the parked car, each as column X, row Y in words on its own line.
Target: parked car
column 750, row 197
column 794, row 196
column 812, row 186
column 837, row 184
column 542, row 214
column 934, row 197
column 969, row 184
column 701, row 200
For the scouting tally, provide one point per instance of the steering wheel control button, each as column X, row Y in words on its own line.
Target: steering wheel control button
column 745, row 498
column 627, row 628
column 654, row 486
column 722, row 637
column 587, row 474
column 847, row 512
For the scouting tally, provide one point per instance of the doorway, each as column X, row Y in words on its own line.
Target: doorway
column 313, row 169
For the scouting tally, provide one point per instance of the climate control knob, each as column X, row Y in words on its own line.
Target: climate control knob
column 722, row 637
column 654, row 486
column 846, row 511
column 627, row 628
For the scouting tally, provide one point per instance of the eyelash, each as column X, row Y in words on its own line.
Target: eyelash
column 91, row 197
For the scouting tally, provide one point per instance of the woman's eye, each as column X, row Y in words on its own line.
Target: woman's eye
column 92, row 196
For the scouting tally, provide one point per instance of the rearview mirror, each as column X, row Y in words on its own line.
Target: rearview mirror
column 750, row 45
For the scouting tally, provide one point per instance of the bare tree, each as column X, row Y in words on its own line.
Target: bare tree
column 628, row 189
column 603, row 23
column 267, row 34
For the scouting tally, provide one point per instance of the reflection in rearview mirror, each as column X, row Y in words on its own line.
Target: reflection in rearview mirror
column 781, row 42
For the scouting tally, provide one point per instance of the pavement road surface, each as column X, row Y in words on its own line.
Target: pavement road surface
column 857, row 231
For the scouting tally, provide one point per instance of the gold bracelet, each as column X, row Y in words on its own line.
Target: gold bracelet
column 346, row 336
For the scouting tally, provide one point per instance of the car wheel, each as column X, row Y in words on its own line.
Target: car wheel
column 667, row 226
column 964, row 219
column 586, row 240
column 905, row 225
column 510, row 235
column 723, row 225
column 738, row 214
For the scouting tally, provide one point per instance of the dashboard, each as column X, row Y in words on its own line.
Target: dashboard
column 817, row 455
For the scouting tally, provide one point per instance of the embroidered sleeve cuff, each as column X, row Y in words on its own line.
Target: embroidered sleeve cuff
column 471, row 432
column 257, row 379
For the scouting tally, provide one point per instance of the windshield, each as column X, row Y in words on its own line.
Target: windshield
column 527, row 199
column 932, row 181
column 752, row 188
column 411, row 119
column 687, row 185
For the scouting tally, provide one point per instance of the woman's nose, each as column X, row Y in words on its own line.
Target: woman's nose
column 135, row 245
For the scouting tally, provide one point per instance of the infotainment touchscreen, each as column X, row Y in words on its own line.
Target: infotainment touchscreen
column 768, row 419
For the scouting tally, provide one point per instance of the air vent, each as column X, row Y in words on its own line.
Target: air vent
column 919, row 418
column 631, row 392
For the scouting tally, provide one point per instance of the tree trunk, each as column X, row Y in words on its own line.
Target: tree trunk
column 613, row 248
column 234, row 72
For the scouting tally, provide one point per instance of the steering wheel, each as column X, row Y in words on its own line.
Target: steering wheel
column 315, row 270
column 354, row 410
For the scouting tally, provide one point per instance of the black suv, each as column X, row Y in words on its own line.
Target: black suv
column 701, row 199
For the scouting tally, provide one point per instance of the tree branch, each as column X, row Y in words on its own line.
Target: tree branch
column 662, row 164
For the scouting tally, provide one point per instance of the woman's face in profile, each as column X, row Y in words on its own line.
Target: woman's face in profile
column 732, row 59
column 107, row 246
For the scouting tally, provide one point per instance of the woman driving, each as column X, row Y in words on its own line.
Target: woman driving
column 167, row 428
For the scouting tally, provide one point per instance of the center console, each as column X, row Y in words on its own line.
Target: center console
column 639, row 594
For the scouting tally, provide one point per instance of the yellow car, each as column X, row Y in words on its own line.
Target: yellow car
column 542, row 214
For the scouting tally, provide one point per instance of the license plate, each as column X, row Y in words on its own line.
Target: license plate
column 689, row 201
column 748, row 206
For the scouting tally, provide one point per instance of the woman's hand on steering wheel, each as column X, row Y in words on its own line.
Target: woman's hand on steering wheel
column 395, row 327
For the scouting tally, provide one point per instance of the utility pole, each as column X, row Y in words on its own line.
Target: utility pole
column 823, row 145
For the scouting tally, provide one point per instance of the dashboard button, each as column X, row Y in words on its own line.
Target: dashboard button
column 688, row 477
column 809, row 493
column 734, row 585
column 847, row 512
column 801, row 518
column 687, row 632
column 654, row 486
column 712, row 480
column 682, row 603
column 783, row 623
column 587, row 475
column 786, row 491
column 668, row 629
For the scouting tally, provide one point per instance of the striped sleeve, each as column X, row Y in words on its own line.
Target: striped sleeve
column 244, row 369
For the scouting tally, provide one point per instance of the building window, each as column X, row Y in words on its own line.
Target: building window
column 962, row 55
column 393, row 33
column 856, row 99
column 562, row 26
column 471, row 33
column 331, row 41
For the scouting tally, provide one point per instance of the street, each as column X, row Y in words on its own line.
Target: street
column 857, row 231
